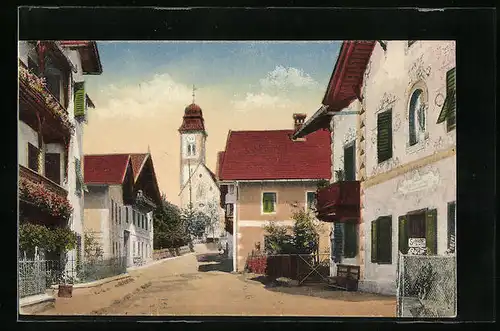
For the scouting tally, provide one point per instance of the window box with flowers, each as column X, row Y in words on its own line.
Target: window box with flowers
column 46, row 200
column 37, row 87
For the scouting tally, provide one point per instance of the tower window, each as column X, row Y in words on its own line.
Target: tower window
column 191, row 149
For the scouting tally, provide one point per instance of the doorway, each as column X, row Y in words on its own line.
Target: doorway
column 126, row 246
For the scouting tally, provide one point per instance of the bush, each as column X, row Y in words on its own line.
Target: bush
column 51, row 240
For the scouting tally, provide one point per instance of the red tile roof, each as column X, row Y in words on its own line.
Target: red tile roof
column 138, row 161
column 260, row 155
column 220, row 159
column 105, row 169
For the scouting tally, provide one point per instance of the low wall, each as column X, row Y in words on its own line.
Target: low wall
column 170, row 252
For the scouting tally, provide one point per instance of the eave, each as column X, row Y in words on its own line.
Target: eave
column 91, row 62
column 344, row 85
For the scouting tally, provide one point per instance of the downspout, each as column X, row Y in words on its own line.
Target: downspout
column 235, row 227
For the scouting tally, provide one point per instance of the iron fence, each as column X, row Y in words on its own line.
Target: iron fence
column 426, row 286
column 37, row 275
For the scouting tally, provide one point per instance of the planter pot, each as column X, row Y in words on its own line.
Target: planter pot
column 65, row 291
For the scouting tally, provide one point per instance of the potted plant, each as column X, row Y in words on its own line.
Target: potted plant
column 64, row 240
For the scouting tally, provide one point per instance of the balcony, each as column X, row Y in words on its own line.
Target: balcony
column 42, row 199
column 339, row 202
column 38, row 106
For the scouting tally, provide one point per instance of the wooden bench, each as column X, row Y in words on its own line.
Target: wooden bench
column 347, row 277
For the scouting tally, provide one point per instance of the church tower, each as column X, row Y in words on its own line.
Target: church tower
column 192, row 142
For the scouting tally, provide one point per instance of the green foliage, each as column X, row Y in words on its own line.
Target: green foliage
column 306, row 237
column 92, row 248
column 60, row 239
column 339, row 175
column 195, row 222
column 169, row 229
column 322, row 183
column 278, row 241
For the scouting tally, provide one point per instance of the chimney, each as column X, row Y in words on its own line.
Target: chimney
column 298, row 122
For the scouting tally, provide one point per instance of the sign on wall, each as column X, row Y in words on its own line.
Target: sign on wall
column 417, row 246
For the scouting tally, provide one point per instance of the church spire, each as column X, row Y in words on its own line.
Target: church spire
column 194, row 89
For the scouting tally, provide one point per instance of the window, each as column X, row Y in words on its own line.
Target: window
column 191, row 149
column 133, row 248
column 381, row 248
column 416, row 116
column 142, row 221
column 418, row 224
column 126, row 214
column 310, row 200
column 53, row 167
column 451, row 226
column 350, row 239
column 120, row 214
column 268, row 202
column 112, row 210
column 114, row 248
column 116, row 212
column 231, row 189
column 142, row 249
column 448, row 112
column 350, row 162
column 384, row 136
column 133, row 216
column 146, row 224
column 33, row 157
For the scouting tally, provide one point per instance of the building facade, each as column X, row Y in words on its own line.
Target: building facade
column 400, row 116
column 122, row 194
column 264, row 177
column 52, row 111
column 198, row 184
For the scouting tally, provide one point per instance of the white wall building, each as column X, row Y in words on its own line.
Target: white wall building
column 122, row 194
column 48, row 152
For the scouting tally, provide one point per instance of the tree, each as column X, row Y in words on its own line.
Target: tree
column 195, row 222
column 305, row 231
column 169, row 230
column 277, row 239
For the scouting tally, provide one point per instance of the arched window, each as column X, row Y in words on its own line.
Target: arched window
column 191, row 149
column 416, row 116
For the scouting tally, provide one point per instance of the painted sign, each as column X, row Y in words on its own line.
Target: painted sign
column 417, row 246
column 419, row 182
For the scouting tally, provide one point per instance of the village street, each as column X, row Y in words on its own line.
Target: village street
column 184, row 286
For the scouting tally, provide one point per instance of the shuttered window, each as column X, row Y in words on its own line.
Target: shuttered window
column 338, row 242
column 350, row 239
column 350, row 162
column 451, row 226
column 268, row 202
column 448, row 112
column 382, row 240
column 431, row 231
column 403, row 234
column 384, row 136
column 33, row 157
column 53, row 167
column 79, row 93
column 126, row 214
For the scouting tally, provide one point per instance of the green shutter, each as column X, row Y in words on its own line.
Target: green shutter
column 79, row 91
column 385, row 236
column 384, row 135
column 449, row 106
column 374, row 242
column 403, row 234
column 431, row 231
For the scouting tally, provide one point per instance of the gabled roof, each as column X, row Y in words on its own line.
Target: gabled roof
column 271, row 155
column 344, row 85
column 138, row 161
column 105, row 169
column 91, row 62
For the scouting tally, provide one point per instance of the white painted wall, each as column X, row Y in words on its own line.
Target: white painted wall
column 389, row 82
column 25, row 135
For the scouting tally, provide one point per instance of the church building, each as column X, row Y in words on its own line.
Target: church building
column 198, row 184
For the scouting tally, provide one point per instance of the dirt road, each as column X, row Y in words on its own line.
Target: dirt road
column 186, row 286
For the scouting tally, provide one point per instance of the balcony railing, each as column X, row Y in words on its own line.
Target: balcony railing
column 338, row 202
column 34, row 177
column 33, row 91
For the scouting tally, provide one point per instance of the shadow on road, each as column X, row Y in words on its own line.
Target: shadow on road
column 319, row 290
column 214, row 262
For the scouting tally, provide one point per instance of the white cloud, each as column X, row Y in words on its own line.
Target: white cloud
column 283, row 78
column 144, row 99
column 260, row 101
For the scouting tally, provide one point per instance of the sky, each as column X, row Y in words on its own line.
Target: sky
column 145, row 86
